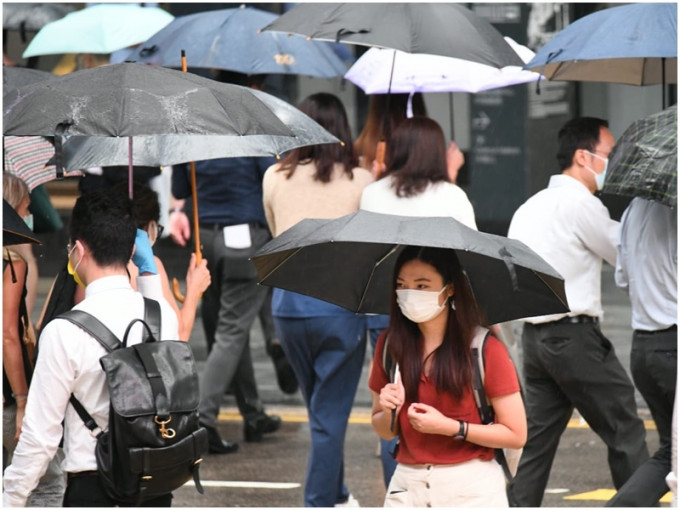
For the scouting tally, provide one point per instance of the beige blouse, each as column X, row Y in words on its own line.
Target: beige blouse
column 288, row 201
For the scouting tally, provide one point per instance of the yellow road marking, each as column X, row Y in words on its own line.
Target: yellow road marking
column 363, row 417
column 606, row 495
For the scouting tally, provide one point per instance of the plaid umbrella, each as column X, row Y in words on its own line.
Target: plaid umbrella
column 27, row 157
column 644, row 161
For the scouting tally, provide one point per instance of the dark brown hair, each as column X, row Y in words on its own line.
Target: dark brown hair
column 452, row 360
column 416, row 156
column 328, row 111
column 384, row 115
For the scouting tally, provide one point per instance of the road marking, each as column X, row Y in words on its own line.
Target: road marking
column 606, row 495
column 245, row 485
column 363, row 417
column 556, row 491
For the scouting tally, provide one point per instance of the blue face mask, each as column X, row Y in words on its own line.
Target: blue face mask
column 599, row 178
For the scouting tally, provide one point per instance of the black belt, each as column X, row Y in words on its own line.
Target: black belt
column 82, row 473
column 220, row 226
column 657, row 331
column 577, row 319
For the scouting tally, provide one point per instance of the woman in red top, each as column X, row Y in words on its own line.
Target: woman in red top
column 445, row 454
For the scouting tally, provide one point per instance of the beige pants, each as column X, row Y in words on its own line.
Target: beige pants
column 475, row 483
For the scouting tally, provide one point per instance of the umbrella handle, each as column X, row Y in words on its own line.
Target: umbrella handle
column 176, row 292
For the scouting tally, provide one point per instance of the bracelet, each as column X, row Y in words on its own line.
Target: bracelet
column 467, row 427
column 20, row 395
column 461, row 431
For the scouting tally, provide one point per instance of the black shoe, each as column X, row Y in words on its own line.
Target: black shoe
column 218, row 445
column 254, row 428
column 285, row 376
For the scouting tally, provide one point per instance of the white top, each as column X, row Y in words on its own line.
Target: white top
column 69, row 363
column 439, row 199
column 572, row 230
column 647, row 266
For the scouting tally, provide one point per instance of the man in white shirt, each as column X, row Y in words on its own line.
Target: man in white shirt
column 568, row 362
column 101, row 241
column 647, row 268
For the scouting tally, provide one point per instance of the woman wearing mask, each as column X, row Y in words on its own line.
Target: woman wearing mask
column 324, row 343
column 445, row 456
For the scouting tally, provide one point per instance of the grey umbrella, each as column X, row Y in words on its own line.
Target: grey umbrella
column 446, row 29
column 349, row 262
column 15, row 76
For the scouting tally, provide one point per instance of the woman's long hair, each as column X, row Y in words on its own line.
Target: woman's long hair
column 416, row 156
column 452, row 361
column 328, row 111
column 384, row 115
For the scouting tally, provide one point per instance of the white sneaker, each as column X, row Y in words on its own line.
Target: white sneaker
column 351, row 502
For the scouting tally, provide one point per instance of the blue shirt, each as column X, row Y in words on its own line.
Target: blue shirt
column 293, row 305
column 229, row 190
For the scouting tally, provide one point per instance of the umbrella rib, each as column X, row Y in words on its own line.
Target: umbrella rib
column 280, row 263
column 375, row 266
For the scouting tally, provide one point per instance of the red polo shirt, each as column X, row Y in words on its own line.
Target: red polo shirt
column 418, row 448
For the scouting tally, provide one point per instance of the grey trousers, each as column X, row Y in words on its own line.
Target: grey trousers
column 569, row 366
column 51, row 487
column 237, row 299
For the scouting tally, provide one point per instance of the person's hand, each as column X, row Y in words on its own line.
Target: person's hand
column 198, row 276
column 427, row 419
column 21, row 409
column 454, row 161
column 180, row 230
column 142, row 256
column 392, row 396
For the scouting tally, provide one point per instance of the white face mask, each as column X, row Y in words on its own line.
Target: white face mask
column 420, row 305
column 599, row 178
column 28, row 219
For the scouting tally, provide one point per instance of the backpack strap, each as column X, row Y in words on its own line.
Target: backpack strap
column 152, row 317
column 106, row 339
column 483, row 405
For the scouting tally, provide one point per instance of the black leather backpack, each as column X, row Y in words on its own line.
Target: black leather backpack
column 154, row 443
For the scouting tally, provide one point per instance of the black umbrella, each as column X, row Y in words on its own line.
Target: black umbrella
column 644, row 162
column 349, row 262
column 15, row 76
column 14, row 229
column 446, row 29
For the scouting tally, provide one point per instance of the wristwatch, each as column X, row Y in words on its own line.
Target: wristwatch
column 461, row 431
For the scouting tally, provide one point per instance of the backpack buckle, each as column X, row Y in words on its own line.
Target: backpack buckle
column 165, row 433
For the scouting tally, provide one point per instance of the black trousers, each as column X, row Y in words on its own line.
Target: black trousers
column 569, row 366
column 654, row 365
column 86, row 491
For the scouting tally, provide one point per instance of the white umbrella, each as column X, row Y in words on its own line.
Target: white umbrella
column 381, row 71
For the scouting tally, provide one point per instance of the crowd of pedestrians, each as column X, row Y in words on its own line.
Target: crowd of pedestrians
column 436, row 452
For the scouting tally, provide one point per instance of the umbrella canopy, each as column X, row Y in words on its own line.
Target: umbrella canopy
column 102, row 28
column 84, row 152
column 133, row 99
column 28, row 157
column 15, row 76
column 14, row 229
column 229, row 39
column 644, row 162
column 446, row 29
column 380, row 71
column 349, row 261
column 32, row 17
column 634, row 44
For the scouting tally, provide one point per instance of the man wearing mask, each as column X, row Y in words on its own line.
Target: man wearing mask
column 568, row 363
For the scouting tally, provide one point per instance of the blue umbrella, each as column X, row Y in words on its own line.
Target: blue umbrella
column 229, row 39
column 633, row 44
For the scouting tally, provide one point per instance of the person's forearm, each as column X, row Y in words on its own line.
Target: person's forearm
column 13, row 363
column 495, row 435
column 381, row 424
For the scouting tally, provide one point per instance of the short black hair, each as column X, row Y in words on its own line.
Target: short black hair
column 578, row 133
column 145, row 204
column 104, row 221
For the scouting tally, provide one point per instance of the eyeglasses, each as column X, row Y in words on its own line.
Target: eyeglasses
column 159, row 230
column 68, row 249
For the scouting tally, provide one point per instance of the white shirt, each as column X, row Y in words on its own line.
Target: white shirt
column 438, row 200
column 69, row 363
column 647, row 266
column 572, row 230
